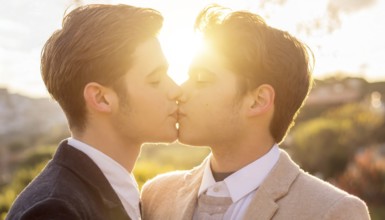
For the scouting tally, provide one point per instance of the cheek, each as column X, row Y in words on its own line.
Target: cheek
column 151, row 102
column 210, row 114
column 211, row 106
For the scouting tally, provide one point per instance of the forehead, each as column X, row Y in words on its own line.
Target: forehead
column 213, row 61
column 147, row 57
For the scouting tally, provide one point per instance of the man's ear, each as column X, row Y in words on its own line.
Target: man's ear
column 261, row 100
column 98, row 97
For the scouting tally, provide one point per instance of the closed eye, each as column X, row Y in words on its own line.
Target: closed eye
column 156, row 76
column 201, row 75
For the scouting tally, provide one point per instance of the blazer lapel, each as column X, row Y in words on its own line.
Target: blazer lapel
column 263, row 206
column 89, row 172
column 187, row 195
column 275, row 186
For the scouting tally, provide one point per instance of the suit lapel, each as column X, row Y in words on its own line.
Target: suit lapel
column 275, row 186
column 263, row 206
column 187, row 195
column 80, row 164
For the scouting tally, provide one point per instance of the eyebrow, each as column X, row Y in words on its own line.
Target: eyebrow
column 161, row 68
column 199, row 68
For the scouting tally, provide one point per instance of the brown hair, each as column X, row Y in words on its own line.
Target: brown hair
column 260, row 54
column 95, row 44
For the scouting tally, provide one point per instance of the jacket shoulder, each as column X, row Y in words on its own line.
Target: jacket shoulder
column 164, row 181
column 320, row 198
column 171, row 180
column 172, row 191
column 49, row 191
column 50, row 208
column 348, row 207
column 338, row 203
column 306, row 196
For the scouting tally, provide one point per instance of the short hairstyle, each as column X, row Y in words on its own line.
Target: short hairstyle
column 259, row 54
column 95, row 44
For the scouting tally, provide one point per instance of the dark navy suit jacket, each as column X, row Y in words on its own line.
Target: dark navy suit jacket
column 71, row 186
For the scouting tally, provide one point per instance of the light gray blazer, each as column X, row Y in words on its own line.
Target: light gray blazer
column 287, row 193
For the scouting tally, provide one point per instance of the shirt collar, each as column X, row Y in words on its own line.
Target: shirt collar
column 245, row 180
column 207, row 179
column 121, row 180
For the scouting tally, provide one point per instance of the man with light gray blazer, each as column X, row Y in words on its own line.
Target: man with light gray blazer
column 244, row 91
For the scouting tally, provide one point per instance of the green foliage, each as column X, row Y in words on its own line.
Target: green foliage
column 365, row 176
column 16, row 147
column 21, row 179
column 145, row 170
column 29, row 165
column 326, row 144
column 379, row 134
column 377, row 212
column 319, row 148
column 34, row 156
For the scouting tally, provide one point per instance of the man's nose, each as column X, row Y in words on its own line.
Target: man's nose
column 175, row 91
column 184, row 92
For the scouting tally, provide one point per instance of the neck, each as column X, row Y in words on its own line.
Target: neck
column 232, row 158
column 122, row 151
column 220, row 176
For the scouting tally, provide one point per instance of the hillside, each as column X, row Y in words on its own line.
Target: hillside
column 21, row 116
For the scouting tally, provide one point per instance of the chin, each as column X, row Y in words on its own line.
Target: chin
column 189, row 140
column 169, row 138
column 189, row 136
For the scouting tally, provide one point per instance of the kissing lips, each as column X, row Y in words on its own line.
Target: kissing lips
column 174, row 115
column 181, row 114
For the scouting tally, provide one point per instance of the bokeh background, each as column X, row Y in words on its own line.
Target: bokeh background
column 339, row 135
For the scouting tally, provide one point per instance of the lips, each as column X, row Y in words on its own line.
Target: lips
column 181, row 114
column 175, row 114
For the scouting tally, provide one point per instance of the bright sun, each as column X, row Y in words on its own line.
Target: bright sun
column 179, row 47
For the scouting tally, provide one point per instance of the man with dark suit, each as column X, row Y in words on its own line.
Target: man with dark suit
column 244, row 92
column 107, row 71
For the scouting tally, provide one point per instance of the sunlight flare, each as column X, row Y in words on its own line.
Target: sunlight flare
column 179, row 47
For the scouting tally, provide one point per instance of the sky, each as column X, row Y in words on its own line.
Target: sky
column 346, row 36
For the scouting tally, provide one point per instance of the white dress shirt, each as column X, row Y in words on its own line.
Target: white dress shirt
column 120, row 179
column 239, row 186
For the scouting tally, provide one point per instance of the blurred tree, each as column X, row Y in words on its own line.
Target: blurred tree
column 325, row 145
column 36, row 155
column 365, row 178
column 365, row 175
column 16, row 147
column 379, row 133
column 20, row 181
